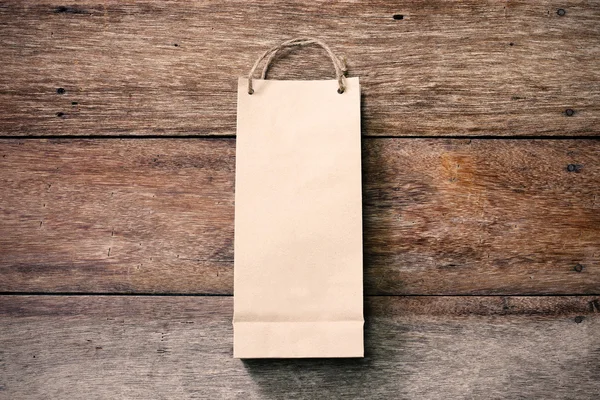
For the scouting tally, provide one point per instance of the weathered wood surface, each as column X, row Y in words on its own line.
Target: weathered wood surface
column 170, row 68
column 82, row 347
column 441, row 216
column 444, row 217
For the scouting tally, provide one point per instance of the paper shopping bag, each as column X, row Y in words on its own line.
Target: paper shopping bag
column 298, row 216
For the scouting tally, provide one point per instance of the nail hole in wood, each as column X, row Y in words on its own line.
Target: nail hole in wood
column 60, row 114
column 579, row 319
column 578, row 268
column 561, row 12
column 60, row 90
column 398, row 16
column 569, row 112
column 69, row 10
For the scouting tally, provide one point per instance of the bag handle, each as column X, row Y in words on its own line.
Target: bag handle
column 338, row 64
column 304, row 41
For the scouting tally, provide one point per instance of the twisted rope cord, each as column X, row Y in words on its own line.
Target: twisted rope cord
column 338, row 64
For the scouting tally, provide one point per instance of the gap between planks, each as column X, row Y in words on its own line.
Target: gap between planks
column 117, row 294
column 217, row 137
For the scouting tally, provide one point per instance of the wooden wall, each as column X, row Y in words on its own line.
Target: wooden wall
column 481, row 171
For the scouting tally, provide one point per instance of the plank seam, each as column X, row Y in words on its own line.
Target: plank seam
column 142, row 294
column 214, row 137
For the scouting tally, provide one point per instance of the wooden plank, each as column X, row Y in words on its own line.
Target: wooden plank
column 169, row 68
column 441, row 216
column 79, row 347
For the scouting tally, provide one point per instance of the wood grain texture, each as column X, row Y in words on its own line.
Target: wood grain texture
column 82, row 347
column 441, row 216
column 169, row 68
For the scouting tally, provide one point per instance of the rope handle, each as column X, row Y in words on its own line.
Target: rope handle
column 338, row 64
column 300, row 42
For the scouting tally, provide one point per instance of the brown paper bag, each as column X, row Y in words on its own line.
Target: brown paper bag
column 298, row 216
